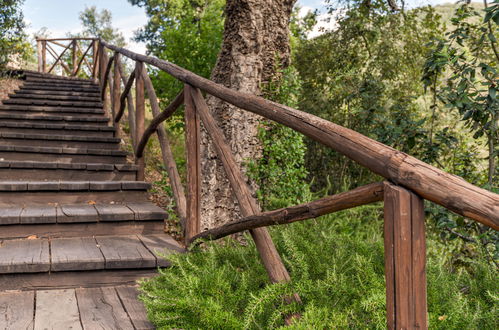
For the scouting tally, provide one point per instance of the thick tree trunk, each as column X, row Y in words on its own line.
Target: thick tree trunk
column 256, row 41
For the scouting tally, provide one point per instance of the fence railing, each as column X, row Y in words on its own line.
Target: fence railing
column 409, row 180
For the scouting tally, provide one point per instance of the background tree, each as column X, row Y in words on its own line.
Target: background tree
column 185, row 32
column 99, row 24
column 13, row 40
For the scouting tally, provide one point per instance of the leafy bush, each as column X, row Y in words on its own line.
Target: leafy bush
column 336, row 263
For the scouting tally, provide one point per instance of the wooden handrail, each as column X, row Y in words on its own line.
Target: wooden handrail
column 106, row 77
column 124, row 95
column 429, row 182
column 359, row 196
column 153, row 126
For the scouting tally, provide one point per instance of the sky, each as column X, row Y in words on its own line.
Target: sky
column 61, row 16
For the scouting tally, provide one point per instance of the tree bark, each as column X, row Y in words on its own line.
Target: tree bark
column 256, row 42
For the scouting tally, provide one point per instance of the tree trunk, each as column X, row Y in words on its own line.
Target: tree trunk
column 256, row 41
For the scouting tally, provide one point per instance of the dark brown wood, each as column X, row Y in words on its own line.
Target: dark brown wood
column 157, row 120
column 124, row 96
column 100, row 308
column 58, row 58
column 60, row 280
column 167, row 154
column 17, row 310
column 360, row 196
column 44, row 56
column 125, row 252
column 95, row 59
column 56, row 309
column 192, row 142
column 427, row 181
column 74, row 57
column 131, row 108
column 109, row 64
column 247, row 203
column 66, row 39
column 140, row 113
column 135, row 308
column 116, row 92
column 83, row 59
column 404, row 259
column 24, row 256
column 77, row 253
column 39, row 54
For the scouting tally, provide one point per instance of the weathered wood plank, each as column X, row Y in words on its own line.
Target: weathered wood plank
column 10, row 215
column 192, row 146
column 356, row 197
column 427, row 181
column 16, row 310
column 100, row 308
column 134, row 307
column 160, row 246
column 147, row 211
column 57, row 309
column 76, row 213
column 125, row 252
column 38, row 214
column 24, row 256
column 76, row 253
column 139, row 115
column 114, row 212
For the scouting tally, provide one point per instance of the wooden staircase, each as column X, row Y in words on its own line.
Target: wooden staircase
column 72, row 213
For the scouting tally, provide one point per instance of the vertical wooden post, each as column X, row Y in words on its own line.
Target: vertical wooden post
column 192, row 141
column 102, row 64
column 39, row 53
column 95, row 59
column 116, row 92
column 140, row 109
column 44, row 56
column 74, row 58
column 405, row 259
column 104, row 59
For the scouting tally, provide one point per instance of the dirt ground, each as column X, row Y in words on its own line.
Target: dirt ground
column 7, row 86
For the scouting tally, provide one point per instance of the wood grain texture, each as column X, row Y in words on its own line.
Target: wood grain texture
column 16, row 310
column 193, row 144
column 427, row 181
column 57, row 309
column 247, row 203
column 134, row 307
column 125, row 252
column 24, row 256
column 356, row 197
column 166, row 153
column 76, row 253
column 140, row 110
column 100, row 308
column 116, row 92
column 161, row 246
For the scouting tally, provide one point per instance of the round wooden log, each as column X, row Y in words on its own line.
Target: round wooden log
column 124, row 95
column 427, row 181
column 359, row 196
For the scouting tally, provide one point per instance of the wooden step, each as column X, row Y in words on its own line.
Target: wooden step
column 36, row 96
column 56, row 129
column 37, row 75
column 90, row 120
column 63, row 155
column 53, row 103
column 59, row 85
column 62, row 141
column 79, row 213
column 27, row 170
column 86, row 253
column 50, row 110
column 51, row 87
column 43, row 80
column 67, row 186
column 94, row 94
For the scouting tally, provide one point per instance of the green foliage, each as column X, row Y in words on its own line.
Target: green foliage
column 365, row 75
column 336, row 263
column 99, row 24
column 280, row 172
column 13, row 39
column 185, row 32
column 467, row 61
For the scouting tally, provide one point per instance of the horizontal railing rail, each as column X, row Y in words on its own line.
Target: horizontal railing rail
column 409, row 180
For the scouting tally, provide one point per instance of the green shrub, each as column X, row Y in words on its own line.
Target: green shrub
column 337, row 266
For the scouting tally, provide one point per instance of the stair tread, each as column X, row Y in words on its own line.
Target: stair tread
column 19, row 186
column 79, row 213
column 45, row 96
column 86, row 253
column 68, row 151
column 16, row 106
column 52, row 117
column 55, row 103
column 32, row 136
column 69, row 127
column 29, row 164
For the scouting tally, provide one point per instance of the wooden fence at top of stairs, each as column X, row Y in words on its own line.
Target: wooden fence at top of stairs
column 409, row 181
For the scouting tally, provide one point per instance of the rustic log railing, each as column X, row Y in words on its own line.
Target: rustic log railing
column 409, row 180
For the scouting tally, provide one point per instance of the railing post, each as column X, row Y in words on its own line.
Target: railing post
column 192, row 142
column 116, row 92
column 95, row 59
column 140, row 115
column 405, row 259
column 39, row 54
column 74, row 58
column 44, row 55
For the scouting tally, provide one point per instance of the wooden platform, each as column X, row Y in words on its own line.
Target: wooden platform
column 82, row 308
